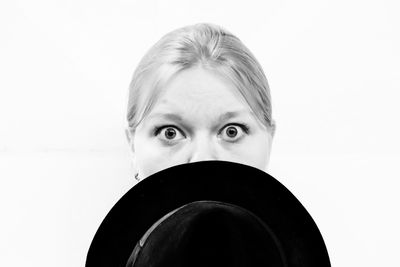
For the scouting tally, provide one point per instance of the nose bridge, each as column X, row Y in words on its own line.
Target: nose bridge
column 203, row 148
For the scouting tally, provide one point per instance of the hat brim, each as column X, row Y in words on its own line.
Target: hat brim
column 222, row 181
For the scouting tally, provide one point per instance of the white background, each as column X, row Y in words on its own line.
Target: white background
column 65, row 66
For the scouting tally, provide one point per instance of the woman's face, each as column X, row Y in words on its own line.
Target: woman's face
column 199, row 116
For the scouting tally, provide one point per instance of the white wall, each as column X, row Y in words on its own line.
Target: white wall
column 333, row 68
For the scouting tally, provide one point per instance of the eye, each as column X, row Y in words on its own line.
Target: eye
column 167, row 133
column 231, row 132
column 234, row 132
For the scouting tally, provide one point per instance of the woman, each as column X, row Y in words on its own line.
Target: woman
column 198, row 94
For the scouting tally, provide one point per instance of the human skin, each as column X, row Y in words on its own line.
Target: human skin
column 199, row 97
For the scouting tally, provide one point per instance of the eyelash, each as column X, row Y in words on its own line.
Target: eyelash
column 243, row 126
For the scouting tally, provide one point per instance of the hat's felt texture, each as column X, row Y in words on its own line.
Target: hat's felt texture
column 208, row 233
column 226, row 212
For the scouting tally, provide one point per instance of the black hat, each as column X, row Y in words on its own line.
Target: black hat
column 208, row 213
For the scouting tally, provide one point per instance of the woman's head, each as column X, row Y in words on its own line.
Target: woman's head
column 207, row 77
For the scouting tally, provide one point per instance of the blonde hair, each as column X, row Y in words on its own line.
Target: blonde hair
column 210, row 46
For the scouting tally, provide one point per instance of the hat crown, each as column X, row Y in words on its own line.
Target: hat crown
column 208, row 233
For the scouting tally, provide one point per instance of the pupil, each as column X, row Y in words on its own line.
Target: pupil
column 170, row 133
column 232, row 132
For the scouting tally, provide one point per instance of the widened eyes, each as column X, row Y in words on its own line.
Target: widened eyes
column 231, row 132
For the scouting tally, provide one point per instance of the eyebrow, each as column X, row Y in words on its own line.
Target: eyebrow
column 222, row 117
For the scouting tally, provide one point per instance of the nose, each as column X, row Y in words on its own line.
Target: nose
column 203, row 148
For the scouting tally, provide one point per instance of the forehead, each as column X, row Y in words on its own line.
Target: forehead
column 199, row 95
column 200, row 86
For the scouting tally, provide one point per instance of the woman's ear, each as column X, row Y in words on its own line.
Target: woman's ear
column 273, row 128
column 129, row 138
